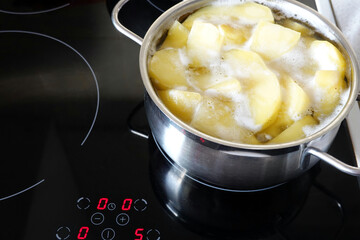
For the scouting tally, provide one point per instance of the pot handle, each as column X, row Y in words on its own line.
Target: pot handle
column 343, row 167
column 121, row 28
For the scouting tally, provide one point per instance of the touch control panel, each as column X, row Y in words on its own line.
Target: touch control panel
column 108, row 220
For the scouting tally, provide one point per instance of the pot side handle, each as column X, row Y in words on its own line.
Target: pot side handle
column 343, row 167
column 121, row 28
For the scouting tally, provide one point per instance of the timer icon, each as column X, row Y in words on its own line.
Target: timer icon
column 111, row 206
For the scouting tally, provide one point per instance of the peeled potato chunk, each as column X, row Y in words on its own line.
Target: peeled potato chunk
column 327, row 56
column 248, row 12
column 205, row 13
column 245, row 64
column 262, row 85
column 331, row 84
column 295, row 104
column 226, row 89
column 234, row 35
column 295, row 131
column 215, row 118
column 201, row 78
column 204, row 43
column 265, row 100
column 177, row 36
column 181, row 103
column 254, row 12
column 272, row 40
column 166, row 69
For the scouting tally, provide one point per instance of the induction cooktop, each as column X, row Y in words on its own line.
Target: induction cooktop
column 71, row 99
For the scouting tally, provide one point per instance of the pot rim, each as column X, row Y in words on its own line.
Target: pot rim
column 191, row 5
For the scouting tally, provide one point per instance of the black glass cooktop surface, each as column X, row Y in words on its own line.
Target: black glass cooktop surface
column 71, row 169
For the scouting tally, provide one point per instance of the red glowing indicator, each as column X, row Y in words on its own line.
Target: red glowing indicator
column 126, row 206
column 102, row 203
column 138, row 234
column 83, row 232
column 202, row 140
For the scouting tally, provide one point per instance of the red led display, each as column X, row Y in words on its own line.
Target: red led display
column 83, row 232
column 102, row 203
column 126, row 206
column 138, row 234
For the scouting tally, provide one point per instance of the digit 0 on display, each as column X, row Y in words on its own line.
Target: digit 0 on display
column 83, row 232
column 102, row 203
column 126, row 206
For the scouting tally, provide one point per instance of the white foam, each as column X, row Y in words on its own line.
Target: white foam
column 320, row 55
column 295, row 63
column 185, row 60
column 242, row 113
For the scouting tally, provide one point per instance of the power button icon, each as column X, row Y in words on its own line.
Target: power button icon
column 108, row 234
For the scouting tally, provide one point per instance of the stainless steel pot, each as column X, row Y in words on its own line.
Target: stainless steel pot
column 234, row 165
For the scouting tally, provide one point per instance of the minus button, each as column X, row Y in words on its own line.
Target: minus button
column 97, row 218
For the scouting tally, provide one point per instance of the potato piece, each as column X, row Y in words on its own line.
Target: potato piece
column 181, row 103
column 201, row 78
column 265, row 100
column 235, row 35
column 245, row 64
column 295, row 105
column 204, row 43
column 177, row 36
column 272, row 40
column 292, row 24
column 327, row 56
column 262, row 86
column 226, row 89
column 296, row 101
column 331, row 84
column 249, row 12
column 204, row 14
column 295, row 131
column 166, row 69
column 253, row 12
column 215, row 118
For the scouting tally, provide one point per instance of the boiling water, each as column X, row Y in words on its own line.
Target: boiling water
column 295, row 63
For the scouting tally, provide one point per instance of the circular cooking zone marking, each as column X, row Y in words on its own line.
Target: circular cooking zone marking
column 24, row 7
column 15, row 194
column 49, row 101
